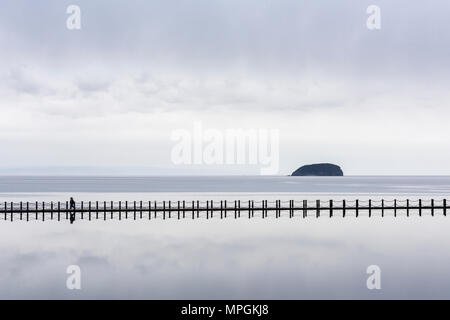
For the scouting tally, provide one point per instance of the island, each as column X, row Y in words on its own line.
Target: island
column 320, row 169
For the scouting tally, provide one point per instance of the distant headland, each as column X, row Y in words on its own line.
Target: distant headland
column 320, row 169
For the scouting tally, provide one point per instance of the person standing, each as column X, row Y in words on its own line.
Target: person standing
column 72, row 208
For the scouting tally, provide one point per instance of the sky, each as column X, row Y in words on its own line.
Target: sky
column 108, row 98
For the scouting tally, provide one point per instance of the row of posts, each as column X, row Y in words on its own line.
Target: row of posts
column 182, row 210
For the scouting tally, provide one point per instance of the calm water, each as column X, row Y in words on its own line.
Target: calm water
column 293, row 259
column 344, row 185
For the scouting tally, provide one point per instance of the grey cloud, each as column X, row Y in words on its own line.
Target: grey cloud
column 90, row 85
column 298, row 65
column 23, row 83
column 92, row 260
column 262, row 36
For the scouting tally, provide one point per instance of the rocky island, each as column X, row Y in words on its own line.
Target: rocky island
column 320, row 169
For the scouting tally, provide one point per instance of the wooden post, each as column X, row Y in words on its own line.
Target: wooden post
column 120, row 210
column 267, row 208
column 432, row 207
column 212, row 208
column 164, row 210
column 357, row 208
column 184, row 209
column 278, row 208
column 126, row 210
column 156, row 207
column 81, row 210
column 305, row 209
column 193, row 210
column 331, row 208
column 170, row 209
column 225, row 209
column 317, row 208
column 239, row 208
column 67, row 209
column 262, row 208
column 249, row 211
column 134, row 210
column 370, row 208
column 43, row 210
column 290, row 208
column 178, row 207
column 28, row 211
column 343, row 208
column 21, row 210
column 149, row 210
column 395, row 207
column 112, row 211
column 235, row 209
column 90, row 210
column 221, row 209
column 444, row 205
column 36, row 210
column 253, row 208
column 207, row 209
column 198, row 209
column 407, row 207
column 420, row 207
column 382, row 208
column 51, row 210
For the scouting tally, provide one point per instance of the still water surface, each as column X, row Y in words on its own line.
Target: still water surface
column 244, row 259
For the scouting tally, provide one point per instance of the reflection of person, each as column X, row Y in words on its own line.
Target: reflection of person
column 72, row 207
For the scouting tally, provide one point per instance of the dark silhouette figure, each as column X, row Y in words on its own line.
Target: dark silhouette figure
column 72, row 207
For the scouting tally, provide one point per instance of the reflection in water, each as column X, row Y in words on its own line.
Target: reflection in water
column 257, row 259
column 312, row 258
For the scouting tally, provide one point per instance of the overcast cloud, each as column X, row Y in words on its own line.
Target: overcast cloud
column 110, row 94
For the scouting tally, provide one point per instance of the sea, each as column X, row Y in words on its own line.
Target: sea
column 284, row 258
